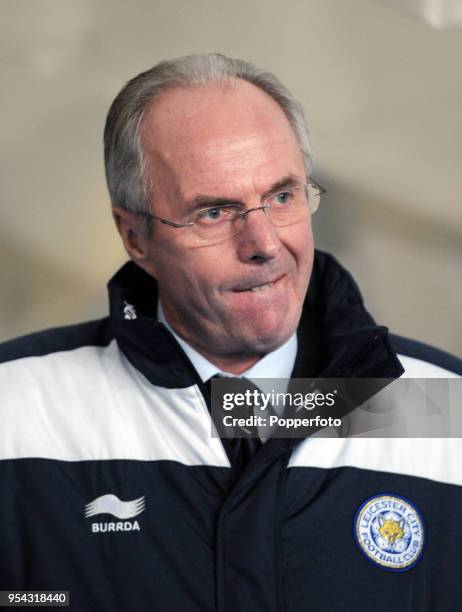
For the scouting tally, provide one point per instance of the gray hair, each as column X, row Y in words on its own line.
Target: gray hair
column 124, row 161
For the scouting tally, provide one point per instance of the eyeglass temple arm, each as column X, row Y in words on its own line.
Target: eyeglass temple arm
column 164, row 221
column 317, row 186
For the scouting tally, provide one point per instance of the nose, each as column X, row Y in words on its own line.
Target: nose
column 258, row 240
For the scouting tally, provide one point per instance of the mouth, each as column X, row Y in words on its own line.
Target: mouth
column 260, row 287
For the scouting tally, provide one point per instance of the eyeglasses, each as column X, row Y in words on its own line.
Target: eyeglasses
column 222, row 221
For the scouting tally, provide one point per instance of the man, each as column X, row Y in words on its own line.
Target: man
column 113, row 487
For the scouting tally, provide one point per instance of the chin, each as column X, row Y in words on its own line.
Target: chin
column 266, row 339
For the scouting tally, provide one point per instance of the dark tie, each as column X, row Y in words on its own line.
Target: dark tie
column 241, row 449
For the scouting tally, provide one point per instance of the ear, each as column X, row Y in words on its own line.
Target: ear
column 128, row 225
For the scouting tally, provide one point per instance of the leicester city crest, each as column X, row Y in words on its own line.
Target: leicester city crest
column 390, row 532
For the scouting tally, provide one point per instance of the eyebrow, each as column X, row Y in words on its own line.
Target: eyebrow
column 204, row 201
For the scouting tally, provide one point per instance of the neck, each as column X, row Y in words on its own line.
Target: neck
column 234, row 364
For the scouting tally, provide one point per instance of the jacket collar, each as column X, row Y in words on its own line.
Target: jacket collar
column 337, row 337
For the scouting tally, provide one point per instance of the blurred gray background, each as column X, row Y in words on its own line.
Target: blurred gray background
column 381, row 84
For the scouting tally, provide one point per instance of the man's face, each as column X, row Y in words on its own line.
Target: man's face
column 230, row 142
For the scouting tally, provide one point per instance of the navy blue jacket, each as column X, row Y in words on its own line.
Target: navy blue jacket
column 112, row 487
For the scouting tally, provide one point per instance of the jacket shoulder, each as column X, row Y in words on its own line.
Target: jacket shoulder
column 423, row 360
column 66, row 338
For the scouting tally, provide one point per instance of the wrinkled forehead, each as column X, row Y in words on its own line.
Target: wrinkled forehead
column 217, row 138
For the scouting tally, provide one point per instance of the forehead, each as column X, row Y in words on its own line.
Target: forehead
column 218, row 140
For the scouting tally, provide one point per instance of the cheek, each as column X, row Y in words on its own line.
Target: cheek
column 306, row 243
column 299, row 243
column 193, row 272
column 203, row 276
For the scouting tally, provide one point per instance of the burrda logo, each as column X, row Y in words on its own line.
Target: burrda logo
column 111, row 504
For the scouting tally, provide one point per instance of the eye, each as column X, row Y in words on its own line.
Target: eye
column 216, row 215
column 282, row 198
column 213, row 214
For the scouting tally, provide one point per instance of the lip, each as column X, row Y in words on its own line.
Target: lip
column 253, row 285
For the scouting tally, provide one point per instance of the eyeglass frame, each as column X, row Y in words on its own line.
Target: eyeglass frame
column 241, row 213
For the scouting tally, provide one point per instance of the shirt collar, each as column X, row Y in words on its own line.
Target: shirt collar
column 275, row 365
